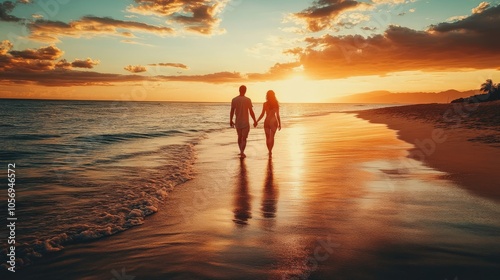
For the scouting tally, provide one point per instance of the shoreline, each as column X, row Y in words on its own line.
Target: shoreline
column 462, row 140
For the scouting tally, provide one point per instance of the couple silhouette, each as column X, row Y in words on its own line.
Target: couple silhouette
column 241, row 107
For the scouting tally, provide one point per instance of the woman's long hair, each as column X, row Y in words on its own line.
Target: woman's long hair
column 271, row 99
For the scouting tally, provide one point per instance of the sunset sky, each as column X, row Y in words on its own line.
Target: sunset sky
column 202, row 50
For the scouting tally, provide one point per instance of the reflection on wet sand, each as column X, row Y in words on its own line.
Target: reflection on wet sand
column 270, row 193
column 242, row 208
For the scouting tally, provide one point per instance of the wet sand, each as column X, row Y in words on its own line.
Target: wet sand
column 337, row 201
column 462, row 140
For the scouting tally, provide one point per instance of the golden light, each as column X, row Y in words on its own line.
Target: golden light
column 299, row 89
column 296, row 88
column 296, row 159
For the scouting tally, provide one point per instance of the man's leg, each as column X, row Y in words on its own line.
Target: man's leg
column 242, row 139
column 239, row 138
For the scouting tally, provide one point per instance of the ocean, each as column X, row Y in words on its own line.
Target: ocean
column 87, row 170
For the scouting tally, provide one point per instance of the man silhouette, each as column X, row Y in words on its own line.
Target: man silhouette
column 242, row 106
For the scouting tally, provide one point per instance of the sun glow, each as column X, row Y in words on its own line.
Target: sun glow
column 302, row 90
column 296, row 89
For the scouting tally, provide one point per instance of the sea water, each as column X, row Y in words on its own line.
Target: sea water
column 87, row 169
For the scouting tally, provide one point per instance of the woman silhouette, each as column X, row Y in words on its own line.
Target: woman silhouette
column 272, row 122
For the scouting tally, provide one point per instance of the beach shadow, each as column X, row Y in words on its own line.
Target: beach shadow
column 242, row 209
column 270, row 194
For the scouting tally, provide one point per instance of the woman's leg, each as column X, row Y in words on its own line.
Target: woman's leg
column 270, row 132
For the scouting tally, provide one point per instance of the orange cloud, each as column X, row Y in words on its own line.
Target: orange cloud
column 199, row 16
column 277, row 72
column 128, row 41
column 295, row 51
column 135, row 69
column 38, row 66
column 470, row 43
column 89, row 26
column 41, row 59
column 216, row 78
column 176, row 65
column 481, row 8
column 27, row 60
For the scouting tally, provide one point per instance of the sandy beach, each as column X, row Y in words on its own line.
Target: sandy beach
column 336, row 201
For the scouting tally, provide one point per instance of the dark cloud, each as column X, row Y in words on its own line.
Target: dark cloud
column 89, row 26
column 5, row 9
column 470, row 43
column 64, row 78
column 45, row 53
column 63, row 64
column 200, row 16
column 78, row 63
column 483, row 23
column 61, row 77
column 201, row 21
column 87, row 63
column 322, row 13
